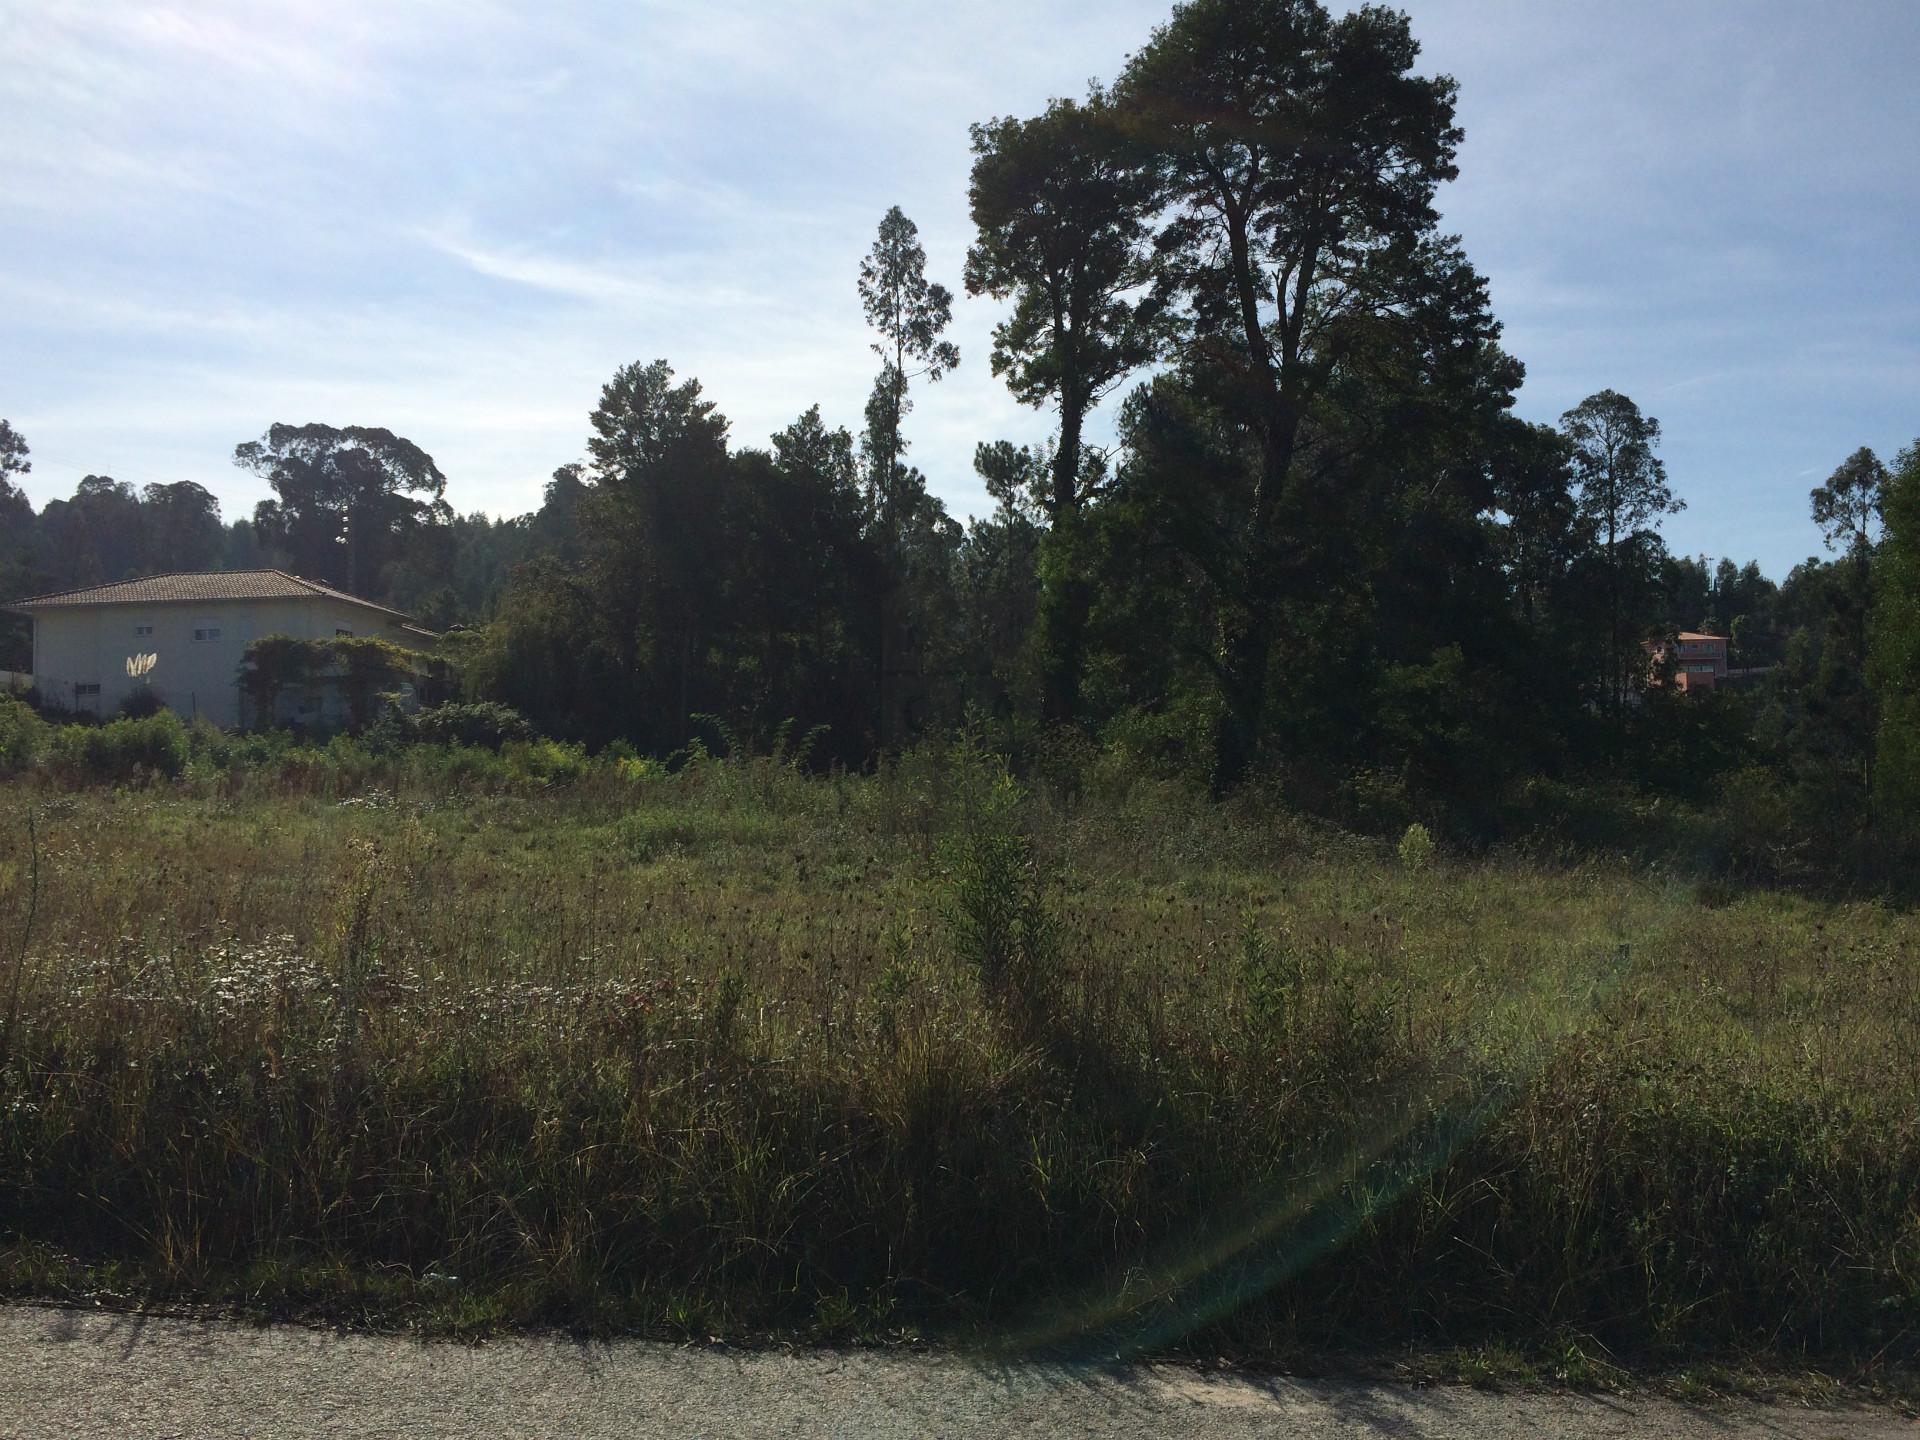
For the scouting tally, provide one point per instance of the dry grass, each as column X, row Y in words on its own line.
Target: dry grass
column 723, row 1050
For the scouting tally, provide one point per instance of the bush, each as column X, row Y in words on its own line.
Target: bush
column 142, row 704
column 23, row 736
column 484, row 722
column 123, row 749
column 996, row 908
column 1416, row 847
column 546, row 762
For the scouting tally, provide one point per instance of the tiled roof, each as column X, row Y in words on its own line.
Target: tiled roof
column 196, row 586
column 1697, row 635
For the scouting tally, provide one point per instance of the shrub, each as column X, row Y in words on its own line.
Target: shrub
column 547, row 762
column 483, row 722
column 123, row 749
column 1416, row 847
column 23, row 736
column 996, row 901
column 141, row 703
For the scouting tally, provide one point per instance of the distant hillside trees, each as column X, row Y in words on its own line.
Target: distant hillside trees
column 446, row 568
column 679, row 579
column 347, row 500
column 1894, row 666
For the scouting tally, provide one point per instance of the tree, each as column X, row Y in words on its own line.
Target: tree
column 909, row 312
column 272, row 665
column 656, row 530
column 1849, row 504
column 241, row 548
column 16, row 534
column 1839, row 710
column 96, row 537
column 16, row 525
column 1622, row 489
column 1895, row 664
column 1061, row 205
column 13, row 455
column 182, row 527
column 555, row 526
column 367, row 667
column 807, row 448
column 1300, row 155
column 1686, row 601
column 16, row 511
column 998, row 574
column 347, row 498
column 1017, row 478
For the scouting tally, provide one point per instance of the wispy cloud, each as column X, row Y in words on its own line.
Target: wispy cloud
column 598, row 284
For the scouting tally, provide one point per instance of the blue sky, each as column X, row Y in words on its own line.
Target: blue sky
column 457, row 219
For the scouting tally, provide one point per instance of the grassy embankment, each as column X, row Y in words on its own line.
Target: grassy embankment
column 735, row 1050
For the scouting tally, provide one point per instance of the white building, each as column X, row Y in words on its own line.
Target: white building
column 199, row 626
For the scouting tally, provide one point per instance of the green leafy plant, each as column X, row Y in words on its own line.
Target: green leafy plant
column 1416, row 847
column 996, row 902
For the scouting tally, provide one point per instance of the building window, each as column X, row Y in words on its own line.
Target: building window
column 206, row 630
column 84, row 692
column 143, row 632
column 342, row 630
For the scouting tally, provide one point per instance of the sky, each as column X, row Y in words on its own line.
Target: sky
column 456, row 220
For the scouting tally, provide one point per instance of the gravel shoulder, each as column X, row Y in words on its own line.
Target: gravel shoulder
column 82, row 1374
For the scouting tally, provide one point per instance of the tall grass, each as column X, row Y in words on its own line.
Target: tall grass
column 736, row 1047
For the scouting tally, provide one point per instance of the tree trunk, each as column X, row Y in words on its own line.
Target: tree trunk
column 1065, row 608
column 890, row 688
column 1247, row 624
column 1246, row 651
column 1247, row 627
column 1068, row 602
column 893, row 587
column 686, row 668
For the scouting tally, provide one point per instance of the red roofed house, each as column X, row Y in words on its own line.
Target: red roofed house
column 1699, row 660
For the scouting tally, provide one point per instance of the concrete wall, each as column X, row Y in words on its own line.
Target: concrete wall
column 89, row 645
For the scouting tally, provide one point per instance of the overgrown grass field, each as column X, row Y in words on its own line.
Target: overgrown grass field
column 737, row 1050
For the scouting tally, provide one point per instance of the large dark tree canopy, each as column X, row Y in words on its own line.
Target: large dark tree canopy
column 645, row 423
column 1300, row 155
column 1061, row 205
column 1303, row 155
column 183, row 530
column 346, row 497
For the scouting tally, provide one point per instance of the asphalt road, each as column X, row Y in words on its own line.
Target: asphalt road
column 79, row 1374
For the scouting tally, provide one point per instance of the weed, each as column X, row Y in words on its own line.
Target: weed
column 734, row 1047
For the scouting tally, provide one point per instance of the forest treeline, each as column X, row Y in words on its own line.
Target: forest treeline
column 1323, row 551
